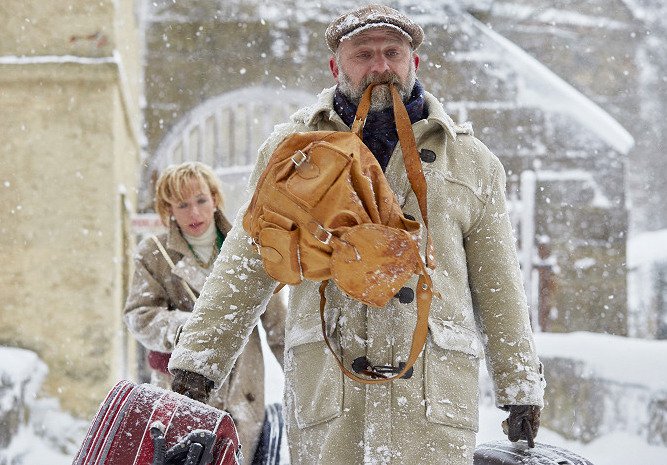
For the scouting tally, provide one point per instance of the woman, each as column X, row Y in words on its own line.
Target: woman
column 170, row 270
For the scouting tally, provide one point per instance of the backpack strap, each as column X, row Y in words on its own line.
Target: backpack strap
column 424, row 289
column 424, row 297
column 172, row 266
column 362, row 112
column 413, row 165
column 411, row 160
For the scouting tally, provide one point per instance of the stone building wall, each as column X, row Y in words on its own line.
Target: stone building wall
column 613, row 52
column 69, row 169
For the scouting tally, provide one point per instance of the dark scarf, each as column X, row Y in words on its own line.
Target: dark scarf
column 379, row 132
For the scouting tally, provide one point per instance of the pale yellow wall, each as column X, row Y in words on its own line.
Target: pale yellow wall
column 69, row 149
column 48, row 27
column 128, row 48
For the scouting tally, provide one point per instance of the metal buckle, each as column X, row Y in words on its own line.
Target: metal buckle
column 304, row 157
column 358, row 124
column 363, row 366
column 257, row 245
column 328, row 237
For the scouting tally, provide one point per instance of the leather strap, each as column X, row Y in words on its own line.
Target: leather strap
column 411, row 160
column 419, row 335
column 171, row 264
column 417, row 180
column 362, row 111
column 413, row 165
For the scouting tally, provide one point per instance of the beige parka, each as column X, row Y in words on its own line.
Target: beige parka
column 432, row 417
column 158, row 305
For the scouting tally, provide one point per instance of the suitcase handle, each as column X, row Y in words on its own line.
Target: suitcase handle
column 528, row 430
column 194, row 449
column 159, row 443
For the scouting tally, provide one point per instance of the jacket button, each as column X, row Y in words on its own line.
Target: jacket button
column 250, row 397
column 427, row 155
column 409, row 217
column 405, row 295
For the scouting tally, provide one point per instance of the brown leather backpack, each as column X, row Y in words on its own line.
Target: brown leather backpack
column 323, row 209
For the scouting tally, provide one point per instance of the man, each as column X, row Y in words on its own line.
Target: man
column 432, row 416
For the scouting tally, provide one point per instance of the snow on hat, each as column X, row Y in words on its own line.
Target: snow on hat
column 372, row 16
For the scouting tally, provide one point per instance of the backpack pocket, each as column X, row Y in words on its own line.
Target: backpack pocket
column 315, row 172
column 371, row 262
column 279, row 247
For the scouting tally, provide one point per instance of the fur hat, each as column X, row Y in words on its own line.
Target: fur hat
column 372, row 16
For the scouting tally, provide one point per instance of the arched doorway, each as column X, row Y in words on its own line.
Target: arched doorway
column 225, row 132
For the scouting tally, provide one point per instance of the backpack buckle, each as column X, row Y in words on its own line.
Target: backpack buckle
column 318, row 231
column 358, row 125
column 298, row 158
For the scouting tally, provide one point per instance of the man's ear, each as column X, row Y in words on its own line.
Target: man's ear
column 333, row 66
column 416, row 58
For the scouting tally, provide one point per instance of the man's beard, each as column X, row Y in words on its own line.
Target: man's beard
column 381, row 96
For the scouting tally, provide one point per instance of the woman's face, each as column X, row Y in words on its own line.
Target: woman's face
column 194, row 214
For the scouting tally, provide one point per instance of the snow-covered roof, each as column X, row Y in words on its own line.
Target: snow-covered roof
column 650, row 11
column 544, row 89
column 60, row 59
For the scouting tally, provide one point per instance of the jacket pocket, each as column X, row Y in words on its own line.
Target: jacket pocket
column 451, row 378
column 316, row 384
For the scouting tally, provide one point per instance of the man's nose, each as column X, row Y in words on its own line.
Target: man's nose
column 380, row 64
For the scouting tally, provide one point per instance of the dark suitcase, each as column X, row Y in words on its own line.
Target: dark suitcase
column 518, row 453
column 270, row 440
column 146, row 425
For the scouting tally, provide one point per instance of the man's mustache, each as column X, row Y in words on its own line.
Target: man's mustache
column 384, row 78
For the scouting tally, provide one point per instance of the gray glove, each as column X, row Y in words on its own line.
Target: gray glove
column 192, row 385
column 522, row 423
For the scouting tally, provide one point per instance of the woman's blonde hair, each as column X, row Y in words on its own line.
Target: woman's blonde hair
column 173, row 186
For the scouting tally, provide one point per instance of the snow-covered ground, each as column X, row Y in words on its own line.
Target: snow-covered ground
column 52, row 437
column 620, row 360
column 47, row 436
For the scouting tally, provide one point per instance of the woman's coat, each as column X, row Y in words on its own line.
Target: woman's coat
column 158, row 305
column 431, row 417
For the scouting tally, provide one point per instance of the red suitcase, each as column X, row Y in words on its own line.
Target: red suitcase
column 146, row 425
column 518, row 453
